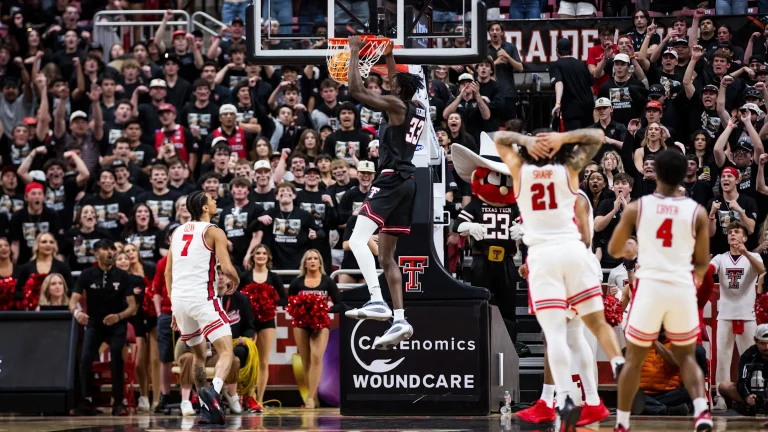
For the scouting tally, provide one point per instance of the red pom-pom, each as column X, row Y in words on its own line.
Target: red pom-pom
column 263, row 298
column 309, row 311
column 31, row 292
column 761, row 309
column 7, row 288
column 612, row 308
column 148, row 305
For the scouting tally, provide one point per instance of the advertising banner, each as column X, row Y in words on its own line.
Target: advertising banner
column 445, row 362
column 536, row 39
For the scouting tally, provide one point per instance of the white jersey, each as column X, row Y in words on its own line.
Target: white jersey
column 737, row 286
column 546, row 204
column 194, row 264
column 666, row 232
column 591, row 219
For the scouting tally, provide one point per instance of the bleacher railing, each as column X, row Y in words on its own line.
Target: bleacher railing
column 111, row 27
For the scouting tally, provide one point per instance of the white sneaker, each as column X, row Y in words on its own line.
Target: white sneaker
column 186, row 409
column 143, row 404
column 375, row 310
column 718, row 404
column 399, row 332
column 234, row 404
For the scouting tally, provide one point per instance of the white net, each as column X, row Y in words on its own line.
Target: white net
column 338, row 57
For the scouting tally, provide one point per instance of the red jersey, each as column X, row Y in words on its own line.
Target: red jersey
column 236, row 141
column 594, row 55
column 158, row 287
column 178, row 139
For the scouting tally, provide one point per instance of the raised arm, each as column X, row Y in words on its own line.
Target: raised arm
column 391, row 104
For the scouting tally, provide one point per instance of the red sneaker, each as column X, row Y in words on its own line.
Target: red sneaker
column 620, row 429
column 703, row 422
column 251, row 405
column 540, row 412
column 593, row 414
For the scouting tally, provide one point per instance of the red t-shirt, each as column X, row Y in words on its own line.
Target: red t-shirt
column 158, row 285
column 594, row 55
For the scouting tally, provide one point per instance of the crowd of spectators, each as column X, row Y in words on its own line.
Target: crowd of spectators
column 94, row 150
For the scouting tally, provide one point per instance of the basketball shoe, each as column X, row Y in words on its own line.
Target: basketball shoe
column 399, row 332
column 540, row 412
column 211, row 401
column 703, row 422
column 593, row 414
column 569, row 415
column 375, row 310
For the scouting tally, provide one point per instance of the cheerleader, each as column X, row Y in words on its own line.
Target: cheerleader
column 43, row 262
column 311, row 343
column 260, row 261
column 53, row 291
column 144, row 324
column 7, row 267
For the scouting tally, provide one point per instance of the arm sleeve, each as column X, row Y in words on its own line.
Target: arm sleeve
column 333, row 293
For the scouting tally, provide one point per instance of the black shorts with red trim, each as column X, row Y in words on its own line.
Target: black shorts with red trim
column 389, row 203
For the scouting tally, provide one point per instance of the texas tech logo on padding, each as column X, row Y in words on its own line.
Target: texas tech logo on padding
column 412, row 266
column 734, row 275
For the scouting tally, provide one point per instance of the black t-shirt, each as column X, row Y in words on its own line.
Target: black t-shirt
column 263, row 200
column 234, row 221
column 338, row 190
column 324, row 216
column 699, row 191
column 25, row 228
column 628, row 98
column 10, row 204
column 240, row 314
column 637, row 39
column 145, row 153
column 615, row 131
column 107, row 210
column 702, row 118
column 179, row 94
column 62, row 199
column 206, row 118
column 350, row 203
column 187, row 69
column 497, row 222
column 78, row 247
column 150, row 122
column 162, row 206
column 603, row 237
column 724, row 216
column 577, row 86
column 106, row 292
column 13, row 155
column 327, row 288
column 148, row 243
column 288, row 235
column 336, row 143
column 186, row 188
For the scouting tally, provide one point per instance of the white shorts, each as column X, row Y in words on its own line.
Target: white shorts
column 576, row 8
column 595, row 272
column 658, row 303
column 200, row 320
column 557, row 279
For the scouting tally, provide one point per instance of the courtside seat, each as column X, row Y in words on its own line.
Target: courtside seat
column 102, row 370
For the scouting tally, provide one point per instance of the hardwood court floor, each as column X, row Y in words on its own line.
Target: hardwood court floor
column 330, row 420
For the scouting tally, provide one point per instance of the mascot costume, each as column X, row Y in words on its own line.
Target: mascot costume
column 490, row 219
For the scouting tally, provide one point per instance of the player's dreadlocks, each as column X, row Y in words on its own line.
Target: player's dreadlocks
column 409, row 84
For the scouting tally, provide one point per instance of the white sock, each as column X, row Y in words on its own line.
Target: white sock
column 616, row 361
column 399, row 314
column 622, row 419
column 218, row 383
column 699, row 406
column 548, row 394
column 375, row 293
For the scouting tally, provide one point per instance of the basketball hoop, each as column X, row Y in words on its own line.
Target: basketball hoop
column 339, row 55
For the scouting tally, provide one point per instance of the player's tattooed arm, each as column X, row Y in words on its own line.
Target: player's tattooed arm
column 589, row 142
column 510, row 138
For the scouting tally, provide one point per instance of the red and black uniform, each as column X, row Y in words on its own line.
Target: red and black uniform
column 181, row 138
column 238, row 142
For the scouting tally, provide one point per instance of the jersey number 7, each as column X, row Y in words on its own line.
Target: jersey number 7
column 414, row 133
column 187, row 239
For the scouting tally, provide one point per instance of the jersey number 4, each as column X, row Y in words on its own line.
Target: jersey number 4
column 187, row 239
column 665, row 233
column 539, row 199
column 414, row 133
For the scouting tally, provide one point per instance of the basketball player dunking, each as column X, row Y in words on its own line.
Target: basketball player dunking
column 191, row 280
column 670, row 230
column 389, row 203
column 546, row 172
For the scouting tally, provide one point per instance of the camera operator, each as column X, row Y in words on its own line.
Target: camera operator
column 749, row 395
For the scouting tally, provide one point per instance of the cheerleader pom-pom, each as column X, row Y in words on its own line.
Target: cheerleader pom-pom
column 761, row 309
column 309, row 311
column 263, row 298
column 7, row 288
column 32, row 292
column 612, row 308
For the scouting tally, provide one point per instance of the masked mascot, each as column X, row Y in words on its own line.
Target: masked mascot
column 490, row 220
